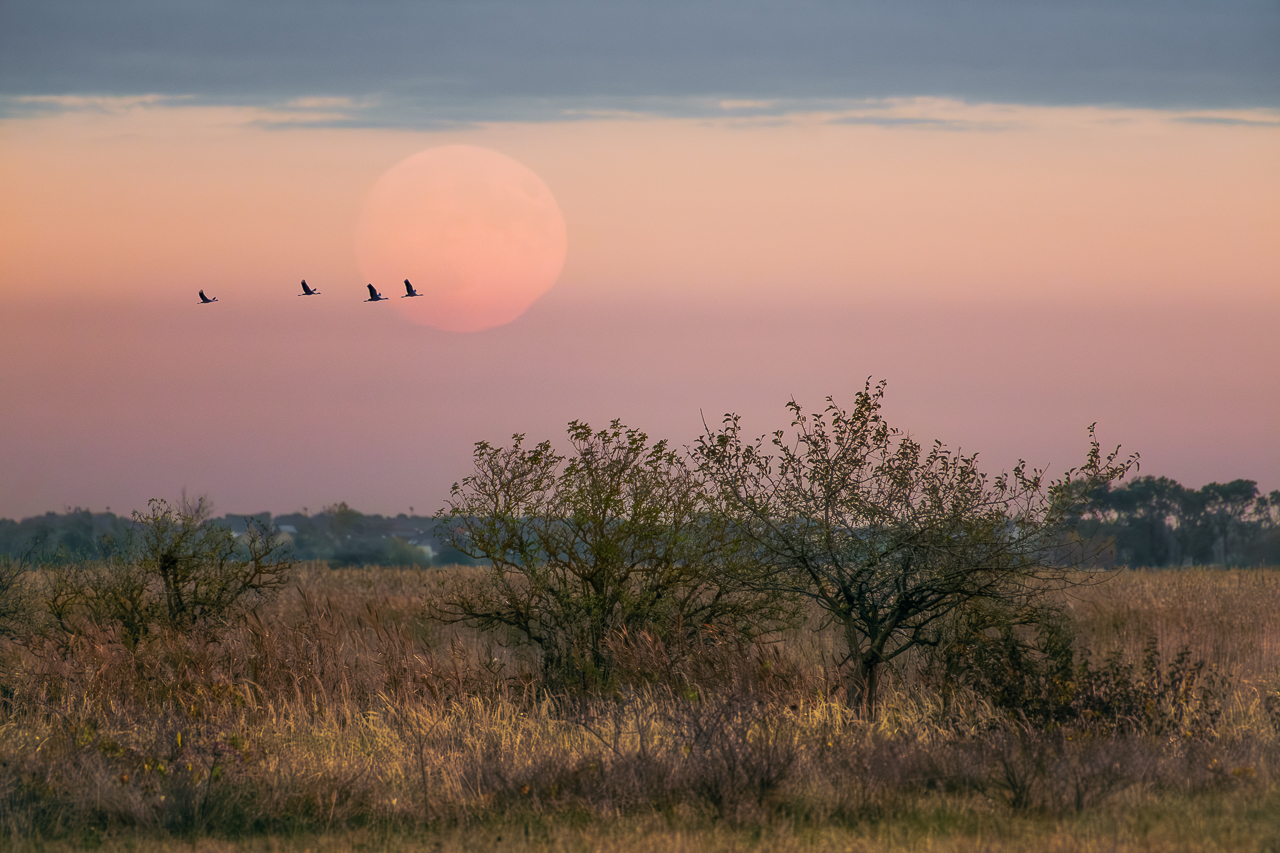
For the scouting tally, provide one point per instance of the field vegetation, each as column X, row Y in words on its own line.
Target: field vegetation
column 343, row 714
column 834, row 639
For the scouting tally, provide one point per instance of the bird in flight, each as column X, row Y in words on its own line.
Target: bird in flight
column 409, row 291
column 204, row 300
column 374, row 296
column 307, row 291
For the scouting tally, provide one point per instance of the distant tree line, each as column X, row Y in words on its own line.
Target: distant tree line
column 63, row 537
column 339, row 535
column 1149, row 521
column 1155, row 521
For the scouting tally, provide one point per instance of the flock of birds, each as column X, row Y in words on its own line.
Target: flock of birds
column 374, row 295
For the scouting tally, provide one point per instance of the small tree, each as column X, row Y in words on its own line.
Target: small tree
column 177, row 569
column 618, row 536
column 887, row 538
column 204, row 573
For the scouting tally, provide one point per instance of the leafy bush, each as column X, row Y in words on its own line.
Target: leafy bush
column 618, row 536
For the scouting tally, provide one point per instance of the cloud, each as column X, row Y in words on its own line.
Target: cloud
column 421, row 64
column 1230, row 120
column 28, row 105
column 910, row 121
column 737, row 105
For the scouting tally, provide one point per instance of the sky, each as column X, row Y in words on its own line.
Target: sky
column 1026, row 217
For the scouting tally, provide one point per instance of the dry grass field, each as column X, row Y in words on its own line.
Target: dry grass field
column 342, row 717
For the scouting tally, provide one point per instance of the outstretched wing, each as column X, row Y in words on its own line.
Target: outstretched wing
column 306, row 291
column 408, row 288
column 203, row 298
column 373, row 294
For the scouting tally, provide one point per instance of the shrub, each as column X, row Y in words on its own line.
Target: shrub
column 1019, row 658
column 618, row 536
column 1029, row 666
column 13, row 598
column 1182, row 699
column 179, row 569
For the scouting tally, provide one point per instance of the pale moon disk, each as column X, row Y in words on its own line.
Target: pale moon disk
column 479, row 235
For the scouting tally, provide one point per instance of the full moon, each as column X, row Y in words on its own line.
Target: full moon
column 479, row 235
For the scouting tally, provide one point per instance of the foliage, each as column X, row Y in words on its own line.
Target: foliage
column 61, row 538
column 889, row 539
column 1153, row 521
column 1183, row 699
column 343, row 536
column 617, row 536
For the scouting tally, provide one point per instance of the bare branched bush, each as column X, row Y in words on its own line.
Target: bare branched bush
column 14, row 597
column 203, row 571
column 178, row 571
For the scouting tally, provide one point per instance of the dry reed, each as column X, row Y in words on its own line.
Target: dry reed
column 343, row 710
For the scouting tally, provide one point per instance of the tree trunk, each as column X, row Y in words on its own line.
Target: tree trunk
column 870, row 690
column 862, row 689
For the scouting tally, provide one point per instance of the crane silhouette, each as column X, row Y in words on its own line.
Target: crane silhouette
column 307, row 291
column 204, row 300
column 374, row 296
column 409, row 291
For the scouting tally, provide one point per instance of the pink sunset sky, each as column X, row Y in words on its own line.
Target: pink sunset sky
column 1014, row 271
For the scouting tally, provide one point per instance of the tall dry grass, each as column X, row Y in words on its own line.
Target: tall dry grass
column 344, row 708
column 1226, row 617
